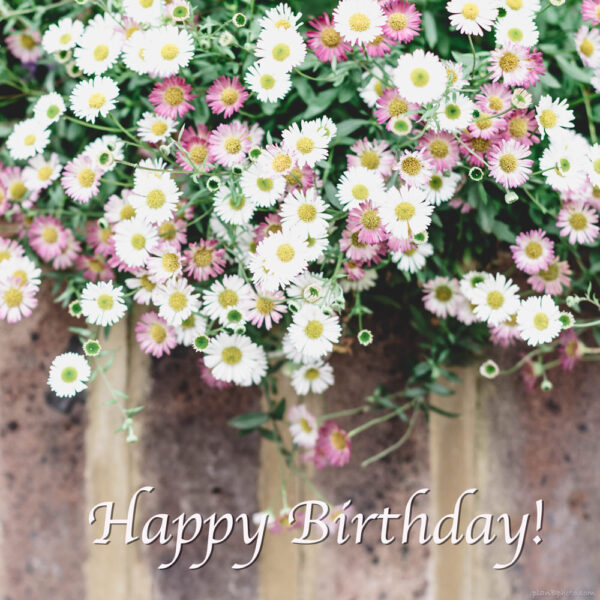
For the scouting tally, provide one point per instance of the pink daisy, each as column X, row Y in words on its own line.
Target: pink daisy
column 570, row 350
column 372, row 154
column 229, row 143
column 441, row 148
column 509, row 164
column 175, row 230
column 271, row 224
column 300, row 178
column 81, row 179
column 12, row 180
column 264, row 308
column 493, row 98
column 403, row 21
column 209, row 379
column 505, row 334
column 16, row 300
column 590, row 9
column 366, row 222
column 334, row 444
column 578, row 222
column 391, row 105
column 10, row 249
column 226, row 95
column 530, row 372
column 195, row 144
column 67, row 257
column 94, row 268
column 172, row 97
column 533, row 251
column 47, row 237
column 478, row 148
column 354, row 270
column 379, row 47
column 552, row 279
column 517, row 65
column 203, row 260
column 25, row 46
column 154, row 335
column 521, row 126
column 486, row 126
column 99, row 238
column 325, row 41
column 357, row 250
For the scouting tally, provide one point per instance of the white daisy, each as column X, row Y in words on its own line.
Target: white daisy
column 405, row 212
column 472, row 17
column 442, row 296
column 414, row 168
column 27, row 139
column 359, row 184
column 442, row 187
column 165, row 263
column 553, row 116
column 233, row 207
column 308, row 142
column 269, row 81
column 49, row 108
column 144, row 286
column 374, row 86
column 495, row 299
column 414, row 258
column 278, row 259
column 313, row 332
column 312, row 378
column 235, row 358
column 148, row 12
column 102, row 303
column 155, row 198
column 593, row 165
column 62, row 36
column 176, row 301
column 358, row 21
column 229, row 294
column 105, row 151
column 168, row 49
column 455, row 113
column 470, row 281
column 135, row 55
column 260, row 187
column 522, row 7
column 68, row 374
column 517, row 28
column 154, row 129
column 303, row 425
column 94, row 97
column 280, row 17
column 22, row 269
column 285, row 47
column 587, row 42
column 327, row 128
column 420, row 76
column 41, row 172
column 563, row 163
column 538, row 320
column 134, row 239
column 304, row 213
column 97, row 50
column 190, row 329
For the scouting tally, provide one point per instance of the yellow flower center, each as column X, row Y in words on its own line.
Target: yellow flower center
column 419, row 77
column 44, row 173
column 170, row 262
column 281, row 163
column 100, row 52
column 267, row 82
column 330, row 37
column 280, row 52
column 159, row 128
column 27, row 41
column 397, row 21
column 198, row 154
column 155, row 199
column 146, row 283
column 229, row 96
column 480, row 145
column 174, row 96
column 578, row 221
column 495, row 103
column 49, row 234
column 439, row 149
column 86, row 177
column 360, row 191
column 587, row 47
column 158, row 333
column 203, row 257
column 307, row 213
column 146, row 3
column 264, row 306
column 310, row 374
column 443, row 293
column 370, row 220
column 285, row 253
column 551, row 273
column 508, row 163
column 69, row 374
column 515, row 4
column 435, row 183
column 359, row 22
column 105, row 302
column 17, row 190
column 495, row 300
column 338, row 440
column 65, row 38
column 305, row 145
column 178, row 301
column 470, row 11
column 233, row 144
column 533, row 250
column 397, row 107
column 518, row 128
column 138, row 241
column 126, row 213
column 29, row 139
column 231, row 355
column 509, row 62
column 541, row 321
column 228, row 298
column 97, row 100
column 264, row 184
column 411, row 166
column 369, row 159
column 283, row 24
column 169, row 51
column 405, row 211
column 13, row 297
column 548, row 119
column 314, row 329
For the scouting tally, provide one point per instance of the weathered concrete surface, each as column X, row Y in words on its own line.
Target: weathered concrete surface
column 41, row 465
column 198, row 463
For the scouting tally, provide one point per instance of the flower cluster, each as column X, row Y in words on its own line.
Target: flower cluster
column 224, row 172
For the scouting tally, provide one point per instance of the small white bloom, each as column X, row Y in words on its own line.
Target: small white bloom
column 102, row 303
column 68, row 375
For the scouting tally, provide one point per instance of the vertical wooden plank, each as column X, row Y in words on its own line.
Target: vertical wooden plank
column 112, row 472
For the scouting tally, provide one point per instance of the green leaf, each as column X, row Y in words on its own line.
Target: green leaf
column 249, row 421
column 349, row 126
column 572, row 70
column 430, row 29
column 439, row 389
column 443, row 412
column 278, row 412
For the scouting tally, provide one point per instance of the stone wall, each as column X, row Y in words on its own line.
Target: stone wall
column 513, row 446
